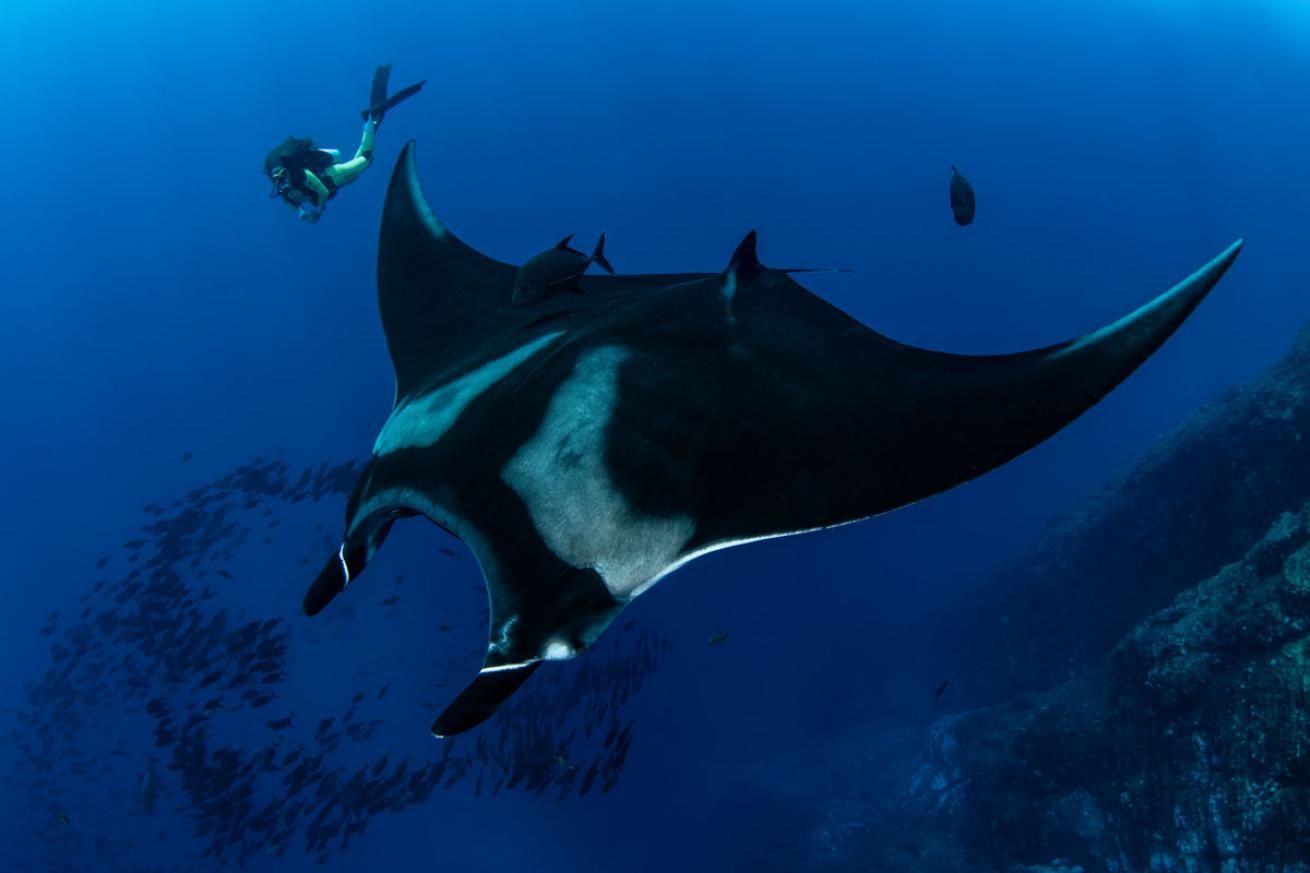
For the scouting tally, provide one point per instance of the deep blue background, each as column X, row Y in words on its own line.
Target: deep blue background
column 153, row 301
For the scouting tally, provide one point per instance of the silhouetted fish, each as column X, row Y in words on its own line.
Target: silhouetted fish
column 556, row 271
column 962, row 201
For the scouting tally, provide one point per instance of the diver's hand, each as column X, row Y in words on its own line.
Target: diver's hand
column 310, row 213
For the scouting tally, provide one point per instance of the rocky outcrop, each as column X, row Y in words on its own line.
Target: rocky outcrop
column 1194, row 503
column 1186, row 748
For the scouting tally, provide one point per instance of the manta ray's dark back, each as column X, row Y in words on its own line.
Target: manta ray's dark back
column 586, row 446
column 439, row 298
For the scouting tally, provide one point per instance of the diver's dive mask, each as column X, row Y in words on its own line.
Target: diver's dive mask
column 281, row 180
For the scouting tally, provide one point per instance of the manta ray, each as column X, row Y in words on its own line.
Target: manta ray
column 586, row 446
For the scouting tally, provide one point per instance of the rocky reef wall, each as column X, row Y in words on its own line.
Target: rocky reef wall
column 1194, row 503
column 1139, row 680
column 1186, row 749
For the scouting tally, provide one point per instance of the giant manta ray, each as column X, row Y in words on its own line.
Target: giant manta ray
column 587, row 446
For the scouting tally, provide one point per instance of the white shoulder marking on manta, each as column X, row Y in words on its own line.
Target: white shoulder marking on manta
column 729, row 292
column 345, row 568
column 420, row 421
column 560, row 474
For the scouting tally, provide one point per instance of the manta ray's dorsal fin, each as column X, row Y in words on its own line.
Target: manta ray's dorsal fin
column 745, row 263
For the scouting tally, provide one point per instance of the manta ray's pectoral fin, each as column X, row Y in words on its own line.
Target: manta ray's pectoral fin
column 480, row 700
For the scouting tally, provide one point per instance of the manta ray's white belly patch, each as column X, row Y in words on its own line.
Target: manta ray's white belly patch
column 560, row 473
column 422, row 421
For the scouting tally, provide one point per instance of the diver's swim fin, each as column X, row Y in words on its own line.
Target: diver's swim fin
column 380, row 79
column 476, row 703
column 379, row 108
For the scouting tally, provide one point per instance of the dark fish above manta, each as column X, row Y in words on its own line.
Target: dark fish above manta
column 962, row 201
column 557, row 270
column 586, row 447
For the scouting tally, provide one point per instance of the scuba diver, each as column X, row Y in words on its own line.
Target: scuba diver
column 306, row 177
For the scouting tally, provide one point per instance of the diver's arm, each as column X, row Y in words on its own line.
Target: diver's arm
column 320, row 190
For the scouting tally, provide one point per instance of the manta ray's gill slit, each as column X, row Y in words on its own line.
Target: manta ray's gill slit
column 196, row 672
column 561, row 476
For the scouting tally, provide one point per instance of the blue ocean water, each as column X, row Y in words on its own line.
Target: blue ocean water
column 155, row 303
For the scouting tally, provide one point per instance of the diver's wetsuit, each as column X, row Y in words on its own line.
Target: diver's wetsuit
column 306, row 178
column 317, row 188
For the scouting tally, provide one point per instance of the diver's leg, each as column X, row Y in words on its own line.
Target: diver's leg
column 347, row 172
